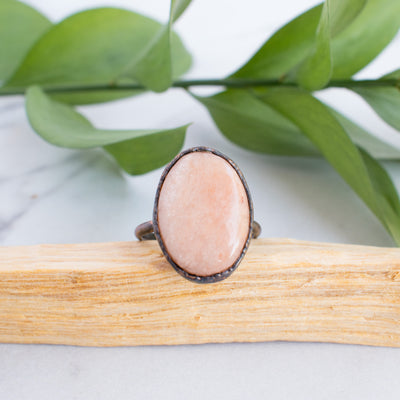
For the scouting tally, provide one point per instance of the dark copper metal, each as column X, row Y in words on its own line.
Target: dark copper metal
column 145, row 231
column 150, row 230
column 255, row 230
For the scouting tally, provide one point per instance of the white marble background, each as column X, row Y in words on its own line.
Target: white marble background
column 53, row 195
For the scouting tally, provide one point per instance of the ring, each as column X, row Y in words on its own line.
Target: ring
column 203, row 215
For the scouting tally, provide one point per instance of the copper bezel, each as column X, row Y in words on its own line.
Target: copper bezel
column 195, row 278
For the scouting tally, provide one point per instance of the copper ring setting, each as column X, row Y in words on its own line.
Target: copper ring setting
column 203, row 216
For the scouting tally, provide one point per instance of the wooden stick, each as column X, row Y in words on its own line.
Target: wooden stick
column 118, row 294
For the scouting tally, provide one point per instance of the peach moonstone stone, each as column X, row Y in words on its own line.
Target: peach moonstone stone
column 203, row 214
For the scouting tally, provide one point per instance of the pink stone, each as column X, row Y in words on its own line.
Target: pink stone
column 203, row 214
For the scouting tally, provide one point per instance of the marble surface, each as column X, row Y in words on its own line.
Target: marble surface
column 53, row 195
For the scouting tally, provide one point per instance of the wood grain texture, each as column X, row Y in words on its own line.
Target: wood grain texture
column 117, row 294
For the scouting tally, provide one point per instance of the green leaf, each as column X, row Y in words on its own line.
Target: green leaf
column 384, row 100
column 370, row 32
column 252, row 124
column 342, row 13
column 316, row 122
column 136, row 151
column 20, row 27
column 315, row 71
column 359, row 33
column 154, row 67
column 177, row 8
column 92, row 47
column 386, row 193
column 285, row 49
column 83, row 97
column 373, row 145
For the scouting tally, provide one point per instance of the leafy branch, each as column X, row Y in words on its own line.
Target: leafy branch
column 227, row 83
column 266, row 106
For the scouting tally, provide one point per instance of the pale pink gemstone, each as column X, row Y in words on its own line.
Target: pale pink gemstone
column 203, row 214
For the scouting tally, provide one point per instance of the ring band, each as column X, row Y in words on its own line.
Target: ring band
column 145, row 231
column 202, row 216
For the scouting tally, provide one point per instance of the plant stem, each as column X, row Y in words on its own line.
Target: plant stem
column 228, row 83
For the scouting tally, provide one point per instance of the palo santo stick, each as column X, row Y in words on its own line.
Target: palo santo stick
column 118, row 294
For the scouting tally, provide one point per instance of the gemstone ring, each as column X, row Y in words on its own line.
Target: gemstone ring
column 203, row 215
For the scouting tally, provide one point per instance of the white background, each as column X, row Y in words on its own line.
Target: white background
column 52, row 195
